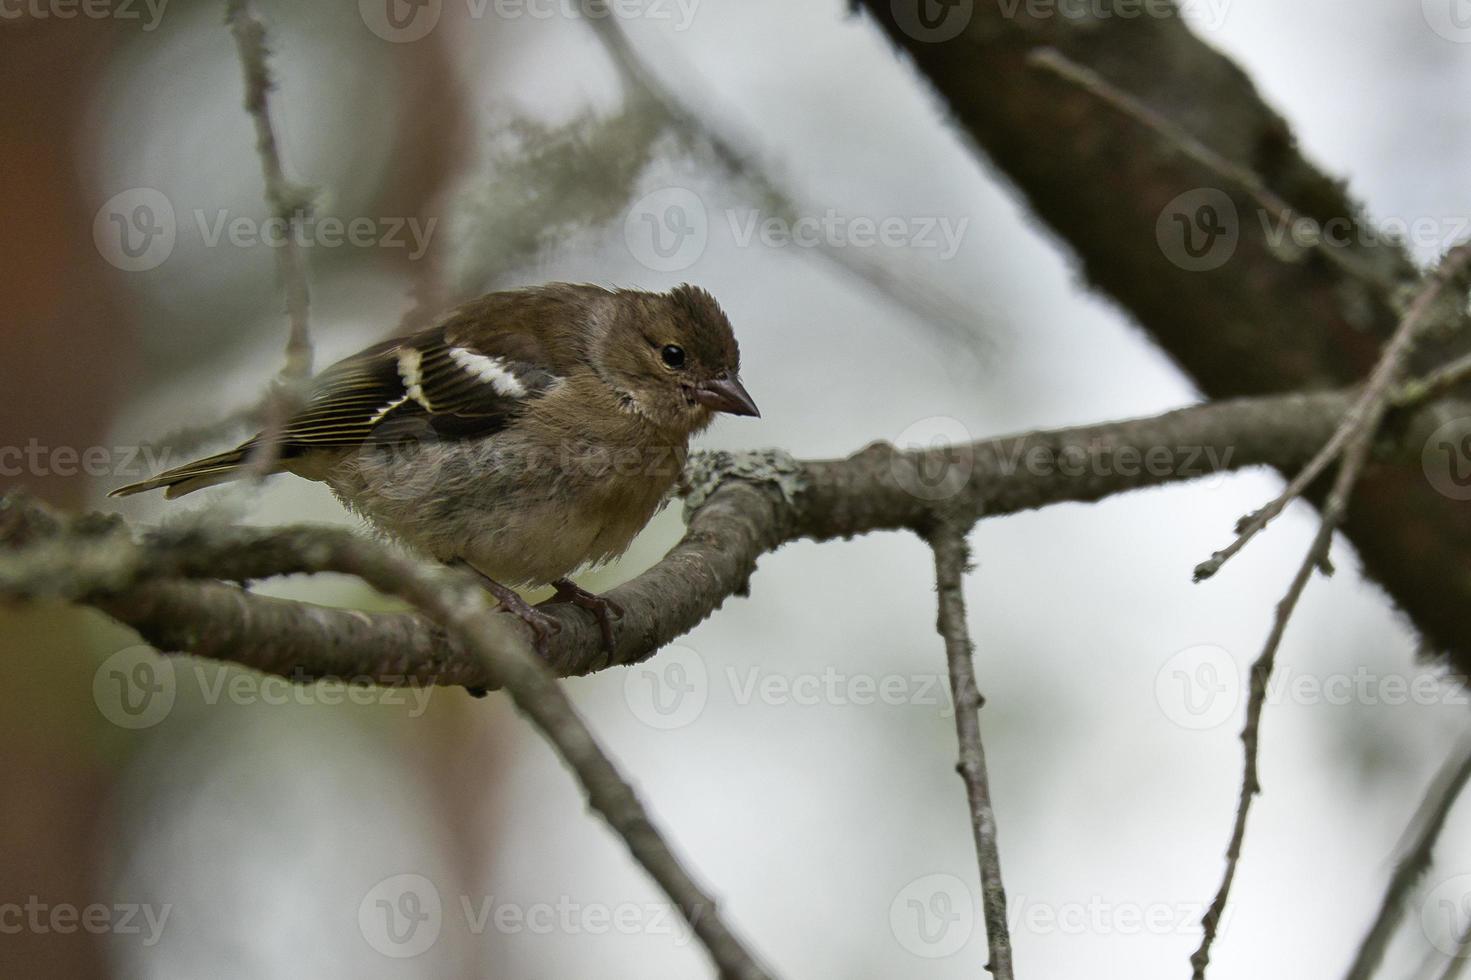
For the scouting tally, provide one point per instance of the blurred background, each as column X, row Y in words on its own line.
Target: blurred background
column 798, row 747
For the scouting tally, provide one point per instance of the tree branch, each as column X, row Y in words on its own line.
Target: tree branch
column 95, row 558
column 1431, row 818
column 1273, row 315
column 739, row 509
column 1368, row 409
column 1355, row 433
column 288, row 202
column 952, row 559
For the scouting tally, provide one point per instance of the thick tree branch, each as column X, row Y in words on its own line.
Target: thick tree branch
column 740, row 508
column 1273, row 314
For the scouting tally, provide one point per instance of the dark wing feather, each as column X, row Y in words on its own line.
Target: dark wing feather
column 461, row 389
column 464, row 378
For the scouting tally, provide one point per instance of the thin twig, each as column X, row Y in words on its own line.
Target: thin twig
column 1430, row 818
column 288, row 203
column 1436, row 383
column 1261, row 672
column 1456, row 965
column 1367, row 412
column 1056, row 63
column 106, row 559
column 952, row 559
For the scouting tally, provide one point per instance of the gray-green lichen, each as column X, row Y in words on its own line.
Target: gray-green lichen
column 707, row 470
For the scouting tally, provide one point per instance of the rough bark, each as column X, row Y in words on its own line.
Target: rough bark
column 1270, row 318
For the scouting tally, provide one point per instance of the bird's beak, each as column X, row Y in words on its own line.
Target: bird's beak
column 726, row 395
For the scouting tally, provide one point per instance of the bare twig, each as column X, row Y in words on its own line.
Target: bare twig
column 106, row 559
column 1261, row 672
column 951, row 560
column 1430, row 819
column 1365, row 416
column 288, row 203
column 1248, row 526
column 1368, row 409
column 1456, row 966
column 1436, row 383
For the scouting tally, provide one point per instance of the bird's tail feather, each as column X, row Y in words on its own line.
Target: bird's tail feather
column 206, row 472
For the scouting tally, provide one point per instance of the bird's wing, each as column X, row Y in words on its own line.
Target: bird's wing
column 467, row 376
column 461, row 383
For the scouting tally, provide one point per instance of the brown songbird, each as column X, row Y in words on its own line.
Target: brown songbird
column 526, row 434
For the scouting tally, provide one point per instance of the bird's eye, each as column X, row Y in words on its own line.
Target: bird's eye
column 673, row 355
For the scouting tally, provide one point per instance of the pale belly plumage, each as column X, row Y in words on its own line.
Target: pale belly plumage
column 520, row 518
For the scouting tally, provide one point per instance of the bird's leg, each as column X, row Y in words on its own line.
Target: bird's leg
column 600, row 606
column 543, row 627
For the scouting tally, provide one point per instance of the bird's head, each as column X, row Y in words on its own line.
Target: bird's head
column 674, row 358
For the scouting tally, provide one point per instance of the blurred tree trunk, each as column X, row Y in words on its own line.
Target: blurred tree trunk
column 1264, row 320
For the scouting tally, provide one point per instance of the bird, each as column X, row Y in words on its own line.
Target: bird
column 522, row 436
